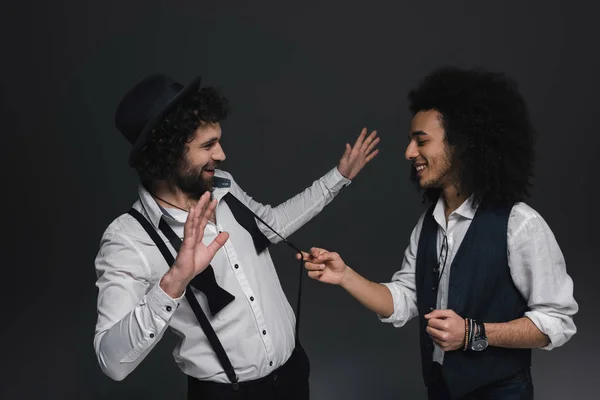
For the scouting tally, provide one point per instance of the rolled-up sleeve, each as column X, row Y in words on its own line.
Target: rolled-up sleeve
column 539, row 272
column 403, row 286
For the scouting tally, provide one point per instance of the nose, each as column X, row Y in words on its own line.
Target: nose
column 218, row 154
column 411, row 151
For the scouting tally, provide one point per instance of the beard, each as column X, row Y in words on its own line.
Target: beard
column 188, row 178
column 439, row 173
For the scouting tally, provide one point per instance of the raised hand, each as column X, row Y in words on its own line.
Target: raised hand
column 194, row 256
column 356, row 157
column 323, row 265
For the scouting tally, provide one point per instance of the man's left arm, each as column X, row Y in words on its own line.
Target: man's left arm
column 539, row 272
column 289, row 216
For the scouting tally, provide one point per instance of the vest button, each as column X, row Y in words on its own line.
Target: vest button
column 433, row 288
column 431, row 308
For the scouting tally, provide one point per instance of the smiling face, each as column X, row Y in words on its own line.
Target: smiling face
column 195, row 173
column 429, row 151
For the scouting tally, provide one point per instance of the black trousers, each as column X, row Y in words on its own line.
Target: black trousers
column 516, row 387
column 288, row 382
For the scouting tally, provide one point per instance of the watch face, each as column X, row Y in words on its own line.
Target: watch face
column 479, row 345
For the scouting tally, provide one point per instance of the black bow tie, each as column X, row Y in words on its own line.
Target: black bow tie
column 216, row 296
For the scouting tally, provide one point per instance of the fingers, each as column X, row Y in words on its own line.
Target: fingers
column 372, row 155
column 347, row 151
column 217, row 243
column 360, row 139
column 314, row 267
column 315, row 274
column 368, row 141
column 305, row 256
column 436, row 334
column 440, row 314
column 437, row 323
column 371, row 146
column 316, row 252
column 188, row 227
column 203, row 220
column 325, row 256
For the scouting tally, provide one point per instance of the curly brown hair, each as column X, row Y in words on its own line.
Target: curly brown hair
column 163, row 152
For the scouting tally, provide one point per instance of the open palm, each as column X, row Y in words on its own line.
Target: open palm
column 356, row 157
column 194, row 256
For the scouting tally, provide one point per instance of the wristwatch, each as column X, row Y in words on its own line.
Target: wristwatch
column 480, row 341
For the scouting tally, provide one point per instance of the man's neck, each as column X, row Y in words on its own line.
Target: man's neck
column 168, row 197
column 452, row 199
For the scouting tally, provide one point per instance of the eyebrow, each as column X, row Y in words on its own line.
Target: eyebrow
column 210, row 141
column 416, row 134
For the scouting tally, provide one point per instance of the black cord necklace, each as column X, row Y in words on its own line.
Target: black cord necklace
column 171, row 204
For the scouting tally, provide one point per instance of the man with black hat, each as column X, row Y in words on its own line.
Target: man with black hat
column 202, row 267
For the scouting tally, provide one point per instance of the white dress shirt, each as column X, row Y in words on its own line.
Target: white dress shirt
column 536, row 264
column 256, row 329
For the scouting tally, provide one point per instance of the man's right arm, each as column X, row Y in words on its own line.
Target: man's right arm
column 394, row 302
column 375, row 296
column 133, row 312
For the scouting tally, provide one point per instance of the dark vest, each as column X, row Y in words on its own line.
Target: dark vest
column 481, row 288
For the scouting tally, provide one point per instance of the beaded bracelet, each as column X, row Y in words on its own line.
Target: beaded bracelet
column 466, row 334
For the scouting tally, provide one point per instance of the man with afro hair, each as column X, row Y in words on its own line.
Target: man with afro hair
column 483, row 271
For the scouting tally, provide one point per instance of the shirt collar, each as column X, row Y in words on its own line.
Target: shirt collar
column 156, row 212
column 465, row 210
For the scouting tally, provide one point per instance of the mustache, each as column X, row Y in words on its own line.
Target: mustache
column 212, row 165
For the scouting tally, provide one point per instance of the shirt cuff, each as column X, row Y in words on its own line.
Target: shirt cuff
column 550, row 326
column 335, row 181
column 397, row 318
column 161, row 303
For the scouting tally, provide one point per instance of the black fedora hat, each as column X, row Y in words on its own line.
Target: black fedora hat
column 146, row 104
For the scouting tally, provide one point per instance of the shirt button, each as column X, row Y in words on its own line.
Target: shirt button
column 152, row 336
column 264, row 332
column 251, row 298
column 236, row 266
column 169, row 308
column 271, row 364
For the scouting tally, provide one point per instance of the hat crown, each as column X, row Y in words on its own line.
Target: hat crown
column 143, row 102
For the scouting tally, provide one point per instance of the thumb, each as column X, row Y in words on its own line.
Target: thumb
column 440, row 314
column 217, row 243
column 348, row 150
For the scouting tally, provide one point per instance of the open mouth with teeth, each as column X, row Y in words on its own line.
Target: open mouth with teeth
column 209, row 171
column 419, row 168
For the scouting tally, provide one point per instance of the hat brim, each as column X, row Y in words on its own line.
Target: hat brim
column 143, row 136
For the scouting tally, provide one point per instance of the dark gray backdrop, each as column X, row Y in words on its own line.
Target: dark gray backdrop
column 303, row 78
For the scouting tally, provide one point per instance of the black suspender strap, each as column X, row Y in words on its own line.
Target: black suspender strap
column 204, row 323
column 241, row 212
